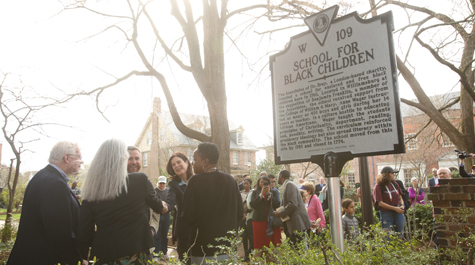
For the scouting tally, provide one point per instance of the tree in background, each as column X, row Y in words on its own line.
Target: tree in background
column 199, row 50
column 20, row 108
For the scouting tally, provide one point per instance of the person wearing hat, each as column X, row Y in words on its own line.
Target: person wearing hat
column 462, row 171
column 161, row 237
column 388, row 196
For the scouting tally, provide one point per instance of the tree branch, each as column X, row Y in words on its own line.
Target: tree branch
column 463, row 79
column 439, row 16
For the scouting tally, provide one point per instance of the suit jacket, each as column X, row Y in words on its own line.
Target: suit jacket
column 122, row 224
column 294, row 207
column 48, row 229
column 318, row 188
column 431, row 183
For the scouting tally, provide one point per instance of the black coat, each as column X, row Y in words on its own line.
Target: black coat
column 175, row 197
column 318, row 188
column 122, row 224
column 48, row 228
column 212, row 206
column 259, row 205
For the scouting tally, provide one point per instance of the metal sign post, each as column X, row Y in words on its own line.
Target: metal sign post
column 366, row 202
column 334, row 199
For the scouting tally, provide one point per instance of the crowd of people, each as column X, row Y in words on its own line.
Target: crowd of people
column 124, row 219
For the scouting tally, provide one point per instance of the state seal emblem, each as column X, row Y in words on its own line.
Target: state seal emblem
column 321, row 23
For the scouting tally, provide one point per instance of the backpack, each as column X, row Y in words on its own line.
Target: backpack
column 375, row 204
column 405, row 195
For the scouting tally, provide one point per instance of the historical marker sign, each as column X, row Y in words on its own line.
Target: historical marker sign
column 335, row 89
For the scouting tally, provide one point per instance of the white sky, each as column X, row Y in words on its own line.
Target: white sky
column 47, row 50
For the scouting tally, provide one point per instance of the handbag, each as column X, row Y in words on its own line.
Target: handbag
column 277, row 222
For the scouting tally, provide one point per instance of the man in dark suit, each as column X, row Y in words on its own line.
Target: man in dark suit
column 434, row 180
column 319, row 186
column 134, row 164
column 294, row 208
column 48, row 229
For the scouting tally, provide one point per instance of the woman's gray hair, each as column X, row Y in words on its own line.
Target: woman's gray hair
column 107, row 175
column 60, row 149
column 414, row 178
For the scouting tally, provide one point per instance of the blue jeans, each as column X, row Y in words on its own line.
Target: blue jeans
column 161, row 237
column 392, row 220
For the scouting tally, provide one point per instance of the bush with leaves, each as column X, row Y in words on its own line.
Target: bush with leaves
column 419, row 216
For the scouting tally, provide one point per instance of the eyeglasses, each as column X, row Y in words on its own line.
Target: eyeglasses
column 273, row 181
column 78, row 156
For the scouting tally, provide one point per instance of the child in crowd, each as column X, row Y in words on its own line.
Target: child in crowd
column 350, row 224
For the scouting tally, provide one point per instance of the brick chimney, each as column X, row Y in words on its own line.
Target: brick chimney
column 157, row 105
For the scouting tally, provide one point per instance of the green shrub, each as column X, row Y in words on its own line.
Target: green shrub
column 421, row 216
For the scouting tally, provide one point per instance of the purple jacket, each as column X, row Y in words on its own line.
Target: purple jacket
column 412, row 196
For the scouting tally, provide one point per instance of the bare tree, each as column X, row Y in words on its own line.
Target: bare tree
column 20, row 107
column 199, row 51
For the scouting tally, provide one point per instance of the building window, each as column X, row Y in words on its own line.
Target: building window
column 351, row 179
column 411, row 141
column 446, row 141
column 247, row 157
column 162, row 135
column 239, row 138
column 149, row 138
column 145, row 159
column 235, row 157
column 408, row 175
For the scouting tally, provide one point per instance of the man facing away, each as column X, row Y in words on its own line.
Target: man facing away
column 212, row 205
column 47, row 233
column 434, row 180
column 294, row 208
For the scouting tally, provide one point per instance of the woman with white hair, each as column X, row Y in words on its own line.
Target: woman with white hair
column 113, row 220
column 416, row 194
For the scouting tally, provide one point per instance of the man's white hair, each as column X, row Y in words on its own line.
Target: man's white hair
column 107, row 175
column 60, row 149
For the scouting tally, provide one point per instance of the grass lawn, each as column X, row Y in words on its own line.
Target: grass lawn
column 16, row 216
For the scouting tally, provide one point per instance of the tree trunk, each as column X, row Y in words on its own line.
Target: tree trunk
column 466, row 101
column 7, row 229
column 214, row 88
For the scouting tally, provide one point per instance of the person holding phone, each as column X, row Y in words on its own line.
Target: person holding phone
column 264, row 201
